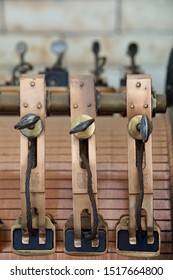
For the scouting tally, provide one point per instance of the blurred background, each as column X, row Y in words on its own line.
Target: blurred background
column 114, row 23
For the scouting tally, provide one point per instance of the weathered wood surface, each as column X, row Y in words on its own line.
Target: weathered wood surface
column 111, row 173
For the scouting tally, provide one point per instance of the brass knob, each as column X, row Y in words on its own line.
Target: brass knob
column 30, row 126
column 140, row 127
column 83, row 126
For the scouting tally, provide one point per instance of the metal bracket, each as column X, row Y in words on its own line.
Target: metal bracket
column 139, row 102
column 141, row 248
column 33, row 99
column 83, row 107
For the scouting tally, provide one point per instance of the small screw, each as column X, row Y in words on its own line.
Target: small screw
column 32, row 84
column 132, row 106
column 145, row 105
column 81, row 84
column 25, row 105
column 39, row 106
column 75, row 106
column 138, row 84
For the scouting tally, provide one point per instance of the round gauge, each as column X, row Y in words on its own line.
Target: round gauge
column 21, row 47
column 59, row 47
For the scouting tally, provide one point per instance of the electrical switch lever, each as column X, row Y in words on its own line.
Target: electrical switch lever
column 34, row 231
column 138, row 234
column 85, row 232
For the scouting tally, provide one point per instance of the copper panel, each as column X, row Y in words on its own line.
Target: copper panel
column 112, row 181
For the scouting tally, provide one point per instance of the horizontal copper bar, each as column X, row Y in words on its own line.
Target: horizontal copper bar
column 58, row 101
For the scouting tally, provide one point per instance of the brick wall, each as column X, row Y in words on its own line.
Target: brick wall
column 115, row 23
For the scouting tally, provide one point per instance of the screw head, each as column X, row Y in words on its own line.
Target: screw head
column 145, row 105
column 39, row 106
column 32, row 83
column 81, row 84
column 132, row 106
column 75, row 106
column 138, row 84
column 25, row 105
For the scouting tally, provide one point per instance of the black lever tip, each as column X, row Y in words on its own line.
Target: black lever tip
column 144, row 128
column 82, row 126
column 27, row 122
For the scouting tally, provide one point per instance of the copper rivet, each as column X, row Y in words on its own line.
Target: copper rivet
column 145, row 105
column 81, row 84
column 138, row 84
column 39, row 105
column 25, row 105
column 32, row 83
column 75, row 106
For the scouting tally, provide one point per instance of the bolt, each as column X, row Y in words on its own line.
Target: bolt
column 39, row 106
column 75, row 106
column 25, row 105
column 81, row 84
column 32, row 83
column 132, row 106
column 145, row 105
column 138, row 84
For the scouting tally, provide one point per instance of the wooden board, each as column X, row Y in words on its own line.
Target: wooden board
column 112, row 180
